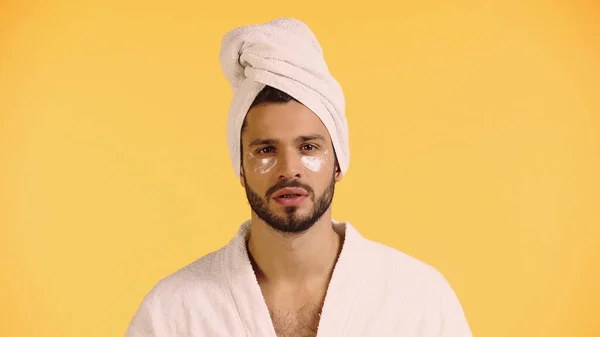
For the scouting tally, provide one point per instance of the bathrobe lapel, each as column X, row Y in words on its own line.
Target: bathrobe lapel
column 347, row 278
column 246, row 292
column 346, row 281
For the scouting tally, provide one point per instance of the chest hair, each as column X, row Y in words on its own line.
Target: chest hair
column 302, row 322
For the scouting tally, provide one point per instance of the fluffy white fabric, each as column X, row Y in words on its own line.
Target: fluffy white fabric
column 285, row 54
column 374, row 291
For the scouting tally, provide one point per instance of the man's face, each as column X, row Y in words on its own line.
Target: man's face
column 287, row 150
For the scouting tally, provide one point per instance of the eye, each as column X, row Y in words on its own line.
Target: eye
column 309, row 147
column 265, row 150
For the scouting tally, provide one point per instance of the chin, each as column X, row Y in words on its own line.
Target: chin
column 295, row 227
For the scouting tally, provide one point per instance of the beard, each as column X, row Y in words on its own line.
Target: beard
column 291, row 222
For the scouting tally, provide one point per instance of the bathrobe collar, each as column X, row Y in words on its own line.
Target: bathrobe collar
column 346, row 281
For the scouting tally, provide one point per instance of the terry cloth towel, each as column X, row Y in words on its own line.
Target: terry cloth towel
column 374, row 291
column 284, row 54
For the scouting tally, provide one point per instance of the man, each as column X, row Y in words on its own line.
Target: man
column 292, row 270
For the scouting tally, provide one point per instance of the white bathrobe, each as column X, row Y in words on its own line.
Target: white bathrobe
column 375, row 291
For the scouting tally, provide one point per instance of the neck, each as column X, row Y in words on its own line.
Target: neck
column 294, row 259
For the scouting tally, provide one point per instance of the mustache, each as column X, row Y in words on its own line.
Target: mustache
column 288, row 183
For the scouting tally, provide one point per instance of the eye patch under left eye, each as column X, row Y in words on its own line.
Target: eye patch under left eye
column 315, row 163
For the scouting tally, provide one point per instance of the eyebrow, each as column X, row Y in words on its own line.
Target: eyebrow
column 299, row 139
column 262, row 141
column 314, row 136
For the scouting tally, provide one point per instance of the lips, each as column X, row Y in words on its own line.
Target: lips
column 290, row 196
column 290, row 192
column 290, row 200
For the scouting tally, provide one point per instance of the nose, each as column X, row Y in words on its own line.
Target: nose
column 290, row 166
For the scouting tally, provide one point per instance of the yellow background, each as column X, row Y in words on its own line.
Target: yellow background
column 475, row 147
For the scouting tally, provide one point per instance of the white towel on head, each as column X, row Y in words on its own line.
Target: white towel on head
column 284, row 54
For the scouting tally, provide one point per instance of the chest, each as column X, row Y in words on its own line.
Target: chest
column 302, row 321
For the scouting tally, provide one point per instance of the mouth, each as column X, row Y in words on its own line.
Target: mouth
column 290, row 199
column 290, row 196
column 290, row 192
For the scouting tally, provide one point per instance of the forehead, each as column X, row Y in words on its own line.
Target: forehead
column 283, row 120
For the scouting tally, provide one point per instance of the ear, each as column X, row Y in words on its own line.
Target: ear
column 242, row 177
column 338, row 173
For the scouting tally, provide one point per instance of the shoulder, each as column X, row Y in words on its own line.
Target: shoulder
column 166, row 306
column 198, row 282
column 195, row 290
column 417, row 282
column 202, row 275
column 388, row 266
column 406, row 274
column 399, row 264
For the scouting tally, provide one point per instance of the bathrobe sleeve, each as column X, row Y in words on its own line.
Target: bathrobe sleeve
column 444, row 315
column 149, row 319
column 452, row 318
